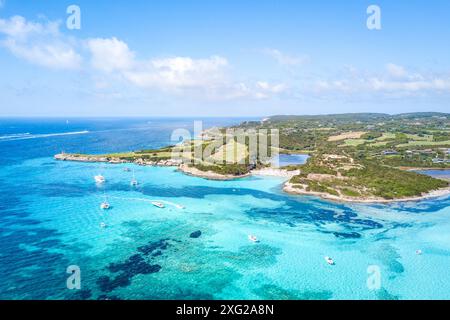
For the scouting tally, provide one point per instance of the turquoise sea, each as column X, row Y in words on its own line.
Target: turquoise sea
column 50, row 219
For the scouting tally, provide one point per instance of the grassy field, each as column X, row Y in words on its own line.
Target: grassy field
column 424, row 143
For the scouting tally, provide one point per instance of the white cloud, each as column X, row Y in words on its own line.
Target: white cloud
column 398, row 82
column 285, row 59
column 115, row 69
column 267, row 88
column 174, row 73
column 39, row 43
column 110, row 54
column 55, row 55
column 180, row 72
column 396, row 71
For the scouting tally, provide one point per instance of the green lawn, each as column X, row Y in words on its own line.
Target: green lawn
column 424, row 143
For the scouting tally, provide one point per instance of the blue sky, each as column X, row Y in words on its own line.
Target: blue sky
column 222, row 58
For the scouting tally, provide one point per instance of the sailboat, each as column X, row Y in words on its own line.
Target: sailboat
column 134, row 182
column 99, row 178
column 105, row 205
column 329, row 261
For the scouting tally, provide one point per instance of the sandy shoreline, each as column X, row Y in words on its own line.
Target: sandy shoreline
column 289, row 188
column 191, row 171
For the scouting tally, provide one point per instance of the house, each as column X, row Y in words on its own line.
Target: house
column 438, row 160
column 389, row 152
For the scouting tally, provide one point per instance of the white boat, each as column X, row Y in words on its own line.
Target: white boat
column 158, row 204
column 126, row 169
column 252, row 238
column 99, row 179
column 329, row 261
column 134, row 182
column 105, row 205
column 419, row 252
column 102, row 225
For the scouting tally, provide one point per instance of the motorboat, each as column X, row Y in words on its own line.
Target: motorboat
column 126, row 169
column 329, row 261
column 158, row 204
column 99, row 179
column 419, row 252
column 105, row 205
column 103, row 225
column 252, row 238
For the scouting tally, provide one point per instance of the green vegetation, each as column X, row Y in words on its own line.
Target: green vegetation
column 230, row 169
column 390, row 183
column 365, row 165
column 352, row 155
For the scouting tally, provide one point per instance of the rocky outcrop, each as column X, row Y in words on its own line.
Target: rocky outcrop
column 113, row 160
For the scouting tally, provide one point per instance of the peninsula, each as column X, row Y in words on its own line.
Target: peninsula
column 365, row 157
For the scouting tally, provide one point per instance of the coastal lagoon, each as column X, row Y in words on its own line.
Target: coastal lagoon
column 197, row 247
column 441, row 174
column 292, row 159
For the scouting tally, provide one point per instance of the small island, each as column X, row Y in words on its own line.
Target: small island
column 366, row 157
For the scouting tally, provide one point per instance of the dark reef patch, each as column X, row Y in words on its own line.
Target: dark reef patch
column 195, row 234
column 105, row 297
column 273, row 292
column 134, row 265
column 107, row 285
column 154, row 246
column 347, row 235
column 83, row 294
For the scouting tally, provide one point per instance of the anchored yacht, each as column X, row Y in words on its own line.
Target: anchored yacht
column 99, row 179
column 158, row 204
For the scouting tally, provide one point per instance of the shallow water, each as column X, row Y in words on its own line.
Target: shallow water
column 50, row 219
column 442, row 174
column 292, row 159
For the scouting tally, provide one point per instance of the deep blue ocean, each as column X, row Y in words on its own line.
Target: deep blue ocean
column 197, row 247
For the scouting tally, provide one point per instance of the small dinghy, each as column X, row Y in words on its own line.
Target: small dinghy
column 127, row 169
column 158, row 204
column 105, row 205
column 103, row 225
column 99, row 179
column 419, row 252
column 329, row 261
column 252, row 238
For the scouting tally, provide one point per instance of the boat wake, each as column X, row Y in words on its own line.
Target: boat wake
column 24, row 136
column 178, row 206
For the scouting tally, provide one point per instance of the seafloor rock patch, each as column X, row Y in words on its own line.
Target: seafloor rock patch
column 195, row 234
column 273, row 292
column 347, row 235
column 154, row 246
column 134, row 265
